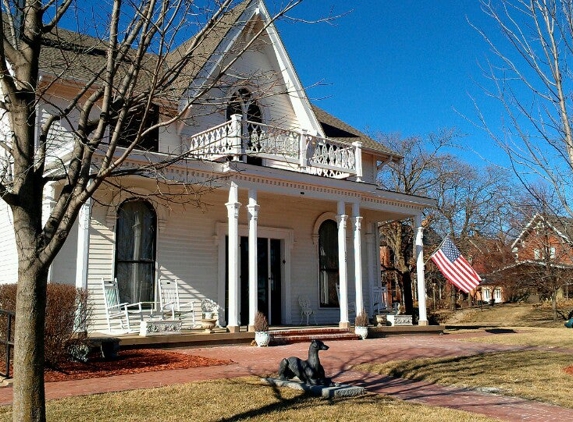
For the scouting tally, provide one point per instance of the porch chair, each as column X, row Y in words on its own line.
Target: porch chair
column 120, row 311
column 305, row 309
column 379, row 300
column 170, row 305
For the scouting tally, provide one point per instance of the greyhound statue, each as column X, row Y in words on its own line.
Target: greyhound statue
column 308, row 371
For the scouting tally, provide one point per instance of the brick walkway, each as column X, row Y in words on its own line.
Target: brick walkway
column 337, row 361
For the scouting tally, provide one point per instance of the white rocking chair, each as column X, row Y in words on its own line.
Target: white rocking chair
column 305, row 309
column 170, row 305
column 120, row 311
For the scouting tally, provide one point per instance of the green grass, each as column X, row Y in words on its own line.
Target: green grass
column 237, row 400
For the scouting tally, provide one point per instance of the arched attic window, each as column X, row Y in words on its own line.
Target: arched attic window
column 243, row 103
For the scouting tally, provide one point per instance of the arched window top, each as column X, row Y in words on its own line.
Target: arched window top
column 243, row 103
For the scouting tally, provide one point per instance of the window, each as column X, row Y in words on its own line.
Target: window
column 131, row 127
column 243, row 103
column 135, row 251
column 328, row 263
column 485, row 293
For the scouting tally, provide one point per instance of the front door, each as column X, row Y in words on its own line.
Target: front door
column 269, row 279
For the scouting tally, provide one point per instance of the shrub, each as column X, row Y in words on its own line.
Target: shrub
column 361, row 320
column 261, row 323
column 67, row 315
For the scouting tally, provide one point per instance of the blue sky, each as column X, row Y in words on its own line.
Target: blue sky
column 398, row 66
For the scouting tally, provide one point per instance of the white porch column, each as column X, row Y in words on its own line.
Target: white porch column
column 342, row 265
column 371, row 266
column 253, row 210
column 233, row 218
column 358, row 258
column 83, row 248
column 423, row 318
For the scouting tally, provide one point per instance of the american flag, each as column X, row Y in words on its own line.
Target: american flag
column 454, row 266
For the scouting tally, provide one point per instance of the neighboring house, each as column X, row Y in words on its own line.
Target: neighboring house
column 488, row 256
column 544, row 251
column 545, row 238
column 287, row 201
column 488, row 290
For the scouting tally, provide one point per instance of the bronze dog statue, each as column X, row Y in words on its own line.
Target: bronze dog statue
column 308, row 371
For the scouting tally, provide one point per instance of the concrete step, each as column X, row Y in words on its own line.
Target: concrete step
column 308, row 334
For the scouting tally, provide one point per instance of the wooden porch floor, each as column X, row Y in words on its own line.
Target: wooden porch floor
column 219, row 336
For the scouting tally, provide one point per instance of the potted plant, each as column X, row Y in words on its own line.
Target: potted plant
column 208, row 309
column 262, row 336
column 361, row 325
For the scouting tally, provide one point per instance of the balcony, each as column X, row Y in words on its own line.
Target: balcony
column 278, row 147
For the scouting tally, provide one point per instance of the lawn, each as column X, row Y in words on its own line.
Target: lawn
column 516, row 315
column 236, row 400
column 538, row 373
column 533, row 375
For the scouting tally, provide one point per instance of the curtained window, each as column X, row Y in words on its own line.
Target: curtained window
column 135, row 251
column 328, row 257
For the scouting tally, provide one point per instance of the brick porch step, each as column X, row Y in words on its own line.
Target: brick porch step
column 290, row 336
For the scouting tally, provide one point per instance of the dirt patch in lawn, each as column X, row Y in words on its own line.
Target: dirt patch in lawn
column 569, row 370
column 130, row 362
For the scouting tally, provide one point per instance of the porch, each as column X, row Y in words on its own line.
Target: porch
column 279, row 334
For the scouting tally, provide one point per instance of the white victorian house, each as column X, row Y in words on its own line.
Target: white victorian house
column 275, row 200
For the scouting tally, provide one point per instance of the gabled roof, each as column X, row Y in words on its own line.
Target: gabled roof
column 562, row 226
column 76, row 57
column 336, row 129
column 204, row 45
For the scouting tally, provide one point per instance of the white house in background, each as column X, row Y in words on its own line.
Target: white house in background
column 289, row 204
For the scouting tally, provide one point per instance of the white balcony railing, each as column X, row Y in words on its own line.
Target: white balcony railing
column 237, row 139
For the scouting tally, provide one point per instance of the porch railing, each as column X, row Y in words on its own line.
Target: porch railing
column 237, row 139
column 6, row 338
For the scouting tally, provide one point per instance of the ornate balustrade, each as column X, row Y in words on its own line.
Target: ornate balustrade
column 309, row 154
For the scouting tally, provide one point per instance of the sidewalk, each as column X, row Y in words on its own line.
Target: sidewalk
column 337, row 361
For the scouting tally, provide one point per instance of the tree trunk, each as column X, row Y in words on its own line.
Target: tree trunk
column 407, row 286
column 29, row 400
column 29, row 396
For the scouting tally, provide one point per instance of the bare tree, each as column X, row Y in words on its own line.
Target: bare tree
column 419, row 173
column 472, row 201
column 530, row 76
column 134, row 62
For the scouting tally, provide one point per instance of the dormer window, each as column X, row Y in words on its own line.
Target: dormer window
column 131, row 127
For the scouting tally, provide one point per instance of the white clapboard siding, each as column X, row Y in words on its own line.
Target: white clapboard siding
column 9, row 261
column 187, row 249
